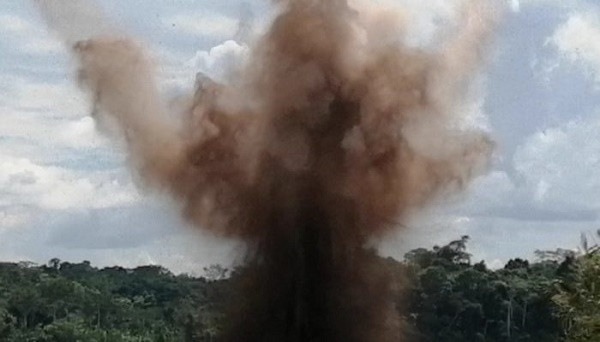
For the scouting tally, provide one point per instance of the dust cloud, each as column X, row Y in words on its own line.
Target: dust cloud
column 328, row 136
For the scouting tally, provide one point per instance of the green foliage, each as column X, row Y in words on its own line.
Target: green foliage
column 66, row 302
column 441, row 296
column 451, row 299
column 578, row 299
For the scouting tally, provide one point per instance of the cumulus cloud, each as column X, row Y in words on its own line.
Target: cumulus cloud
column 561, row 165
column 76, row 133
column 578, row 40
column 47, row 122
column 538, row 182
column 556, row 167
column 25, row 183
column 221, row 61
column 554, row 179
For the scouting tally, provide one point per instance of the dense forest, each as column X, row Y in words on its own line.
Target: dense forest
column 441, row 296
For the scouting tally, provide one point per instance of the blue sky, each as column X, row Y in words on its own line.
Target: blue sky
column 65, row 190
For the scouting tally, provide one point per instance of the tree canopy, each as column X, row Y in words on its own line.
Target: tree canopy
column 441, row 295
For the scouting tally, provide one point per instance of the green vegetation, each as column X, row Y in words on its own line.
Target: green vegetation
column 451, row 299
column 441, row 296
column 67, row 302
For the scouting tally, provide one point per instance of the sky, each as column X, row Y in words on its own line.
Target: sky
column 66, row 191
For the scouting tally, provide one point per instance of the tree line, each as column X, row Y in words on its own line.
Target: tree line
column 440, row 294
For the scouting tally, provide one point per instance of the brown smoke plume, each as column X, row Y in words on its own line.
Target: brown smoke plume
column 332, row 131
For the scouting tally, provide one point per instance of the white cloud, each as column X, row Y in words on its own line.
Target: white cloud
column 578, row 40
column 26, row 37
column 38, row 137
column 39, row 120
column 11, row 217
column 149, row 232
column 554, row 179
column 560, row 165
column 12, row 24
column 25, row 183
column 60, row 99
column 220, row 61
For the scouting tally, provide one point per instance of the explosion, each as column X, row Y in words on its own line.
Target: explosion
column 329, row 134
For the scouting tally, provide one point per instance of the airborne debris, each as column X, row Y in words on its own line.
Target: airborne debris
column 331, row 131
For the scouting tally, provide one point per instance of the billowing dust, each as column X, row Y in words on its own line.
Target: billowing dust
column 331, row 132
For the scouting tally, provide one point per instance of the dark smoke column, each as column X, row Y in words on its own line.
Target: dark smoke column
column 332, row 131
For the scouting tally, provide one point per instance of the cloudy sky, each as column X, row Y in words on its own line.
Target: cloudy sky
column 65, row 191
